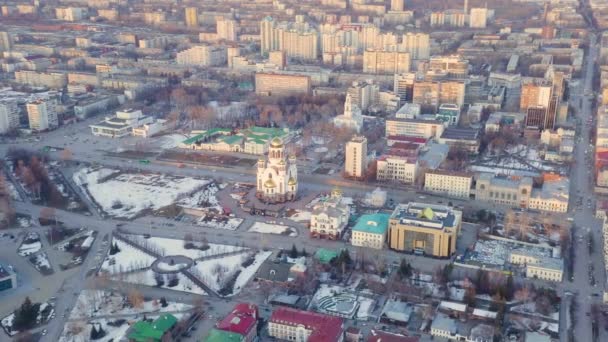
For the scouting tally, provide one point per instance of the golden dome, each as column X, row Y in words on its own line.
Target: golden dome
column 292, row 181
column 276, row 142
column 336, row 192
column 269, row 184
column 282, row 162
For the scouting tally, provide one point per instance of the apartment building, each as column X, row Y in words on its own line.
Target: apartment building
column 42, row 114
column 355, row 155
column 9, row 115
column 203, row 55
column 385, row 62
column 281, row 84
column 41, row 79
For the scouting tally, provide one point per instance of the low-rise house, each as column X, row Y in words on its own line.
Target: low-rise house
column 144, row 331
column 242, row 320
column 396, row 312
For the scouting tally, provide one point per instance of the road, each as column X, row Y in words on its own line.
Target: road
column 581, row 182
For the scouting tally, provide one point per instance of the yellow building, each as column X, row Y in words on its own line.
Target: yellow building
column 424, row 229
column 191, row 16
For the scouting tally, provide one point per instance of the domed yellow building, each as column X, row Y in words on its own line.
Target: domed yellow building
column 277, row 176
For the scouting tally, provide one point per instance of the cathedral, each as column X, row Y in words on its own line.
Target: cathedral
column 277, row 177
column 352, row 117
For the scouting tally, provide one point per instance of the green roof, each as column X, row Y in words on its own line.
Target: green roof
column 208, row 133
column 372, row 223
column 232, row 139
column 270, row 131
column 216, row 335
column 143, row 331
column 325, row 256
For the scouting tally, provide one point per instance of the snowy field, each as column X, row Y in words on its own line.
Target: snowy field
column 126, row 194
column 96, row 303
column 268, row 228
column 31, row 244
column 41, row 262
column 332, row 298
column 176, row 247
column 301, row 216
column 232, row 224
column 147, row 278
column 215, row 272
column 129, row 258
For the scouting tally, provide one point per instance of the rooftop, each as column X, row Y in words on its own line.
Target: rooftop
column 453, row 133
column 372, row 223
column 324, row 328
column 381, row 336
column 240, row 320
column 425, row 215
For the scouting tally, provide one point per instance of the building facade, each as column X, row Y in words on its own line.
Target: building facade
column 42, row 114
column 277, row 177
column 329, row 218
column 452, row 184
column 305, row 326
column 424, row 229
column 355, row 157
column 281, row 84
column 370, row 231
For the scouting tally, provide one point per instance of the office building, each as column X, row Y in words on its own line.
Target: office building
column 122, row 124
column 448, row 183
column 9, row 115
column 448, row 113
column 403, row 86
column 203, row 55
column 191, row 16
column 281, row 84
column 540, row 101
column 42, row 114
column 454, row 66
column 304, row 326
column 370, row 231
column 414, row 128
column 424, row 229
column 394, row 166
column 355, row 155
column 385, row 62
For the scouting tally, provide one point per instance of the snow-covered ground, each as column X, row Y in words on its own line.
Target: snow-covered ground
column 301, row 216
column 170, row 140
column 366, row 306
column 203, row 199
column 176, row 247
column 147, row 278
column 129, row 258
column 268, row 228
column 7, row 322
column 232, row 224
column 31, row 244
column 167, row 267
column 41, row 262
column 215, row 272
column 95, row 303
column 126, row 194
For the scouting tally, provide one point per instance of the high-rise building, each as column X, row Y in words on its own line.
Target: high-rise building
column 355, row 155
column 191, row 16
column 426, row 94
column 42, row 114
column 226, row 29
column 478, row 18
column 298, row 44
column 540, row 101
column 6, row 41
column 385, row 62
column 203, row 55
column 404, row 86
column 364, row 94
column 417, row 44
column 268, row 39
column 397, row 5
column 9, row 115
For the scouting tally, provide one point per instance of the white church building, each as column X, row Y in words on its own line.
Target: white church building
column 352, row 117
column 277, row 177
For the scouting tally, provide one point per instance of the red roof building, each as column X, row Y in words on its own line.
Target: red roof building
column 243, row 320
column 381, row 336
column 287, row 324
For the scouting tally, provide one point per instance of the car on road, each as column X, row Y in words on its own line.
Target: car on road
column 44, row 332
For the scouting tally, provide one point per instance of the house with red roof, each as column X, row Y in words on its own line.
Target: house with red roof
column 242, row 320
column 305, row 326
